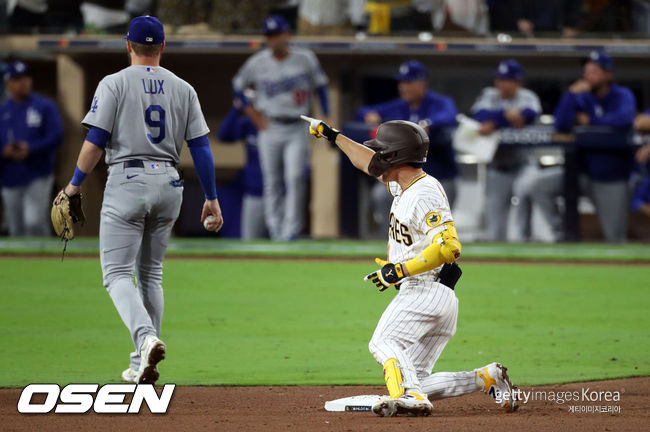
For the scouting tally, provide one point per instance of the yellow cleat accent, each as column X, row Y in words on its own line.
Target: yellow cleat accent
column 487, row 379
column 417, row 396
column 498, row 383
column 393, row 378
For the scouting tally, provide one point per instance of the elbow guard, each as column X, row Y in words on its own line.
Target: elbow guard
column 444, row 248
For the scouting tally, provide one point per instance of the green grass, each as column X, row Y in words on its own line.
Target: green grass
column 306, row 322
column 341, row 249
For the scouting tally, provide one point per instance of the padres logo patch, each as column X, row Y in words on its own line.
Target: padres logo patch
column 433, row 219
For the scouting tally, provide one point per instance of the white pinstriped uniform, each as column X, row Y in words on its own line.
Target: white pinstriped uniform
column 418, row 323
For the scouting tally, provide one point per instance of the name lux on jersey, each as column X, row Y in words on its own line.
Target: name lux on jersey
column 153, row 86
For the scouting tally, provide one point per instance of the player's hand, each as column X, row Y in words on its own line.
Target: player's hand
column 645, row 209
column 643, row 154
column 580, row 86
column 258, row 119
column 525, row 26
column 569, row 32
column 71, row 190
column 387, row 276
column 21, row 152
column 211, row 207
column 372, row 118
column 515, row 117
column 642, row 123
column 320, row 129
column 8, row 151
column 486, row 128
column 583, row 119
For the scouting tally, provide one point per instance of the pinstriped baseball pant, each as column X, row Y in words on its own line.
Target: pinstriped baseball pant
column 414, row 329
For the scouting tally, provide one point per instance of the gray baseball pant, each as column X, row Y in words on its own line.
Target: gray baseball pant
column 139, row 210
column 252, row 218
column 501, row 185
column 284, row 154
column 27, row 208
column 610, row 198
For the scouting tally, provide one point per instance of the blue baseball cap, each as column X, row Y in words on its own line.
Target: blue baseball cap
column 601, row 59
column 509, row 69
column 411, row 70
column 16, row 70
column 274, row 24
column 146, row 30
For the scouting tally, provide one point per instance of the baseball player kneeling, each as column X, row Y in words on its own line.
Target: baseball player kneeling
column 423, row 247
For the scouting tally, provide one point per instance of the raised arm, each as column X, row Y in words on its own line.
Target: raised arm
column 358, row 154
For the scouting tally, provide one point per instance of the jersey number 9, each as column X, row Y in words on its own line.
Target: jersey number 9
column 159, row 124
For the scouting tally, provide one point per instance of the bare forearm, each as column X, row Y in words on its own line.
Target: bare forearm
column 89, row 155
column 358, row 154
column 88, row 158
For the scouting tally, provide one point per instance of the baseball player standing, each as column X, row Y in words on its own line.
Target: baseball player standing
column 237, row 126
column 141, row 115
column 594, row 100
column 422, row 249
column 508, row 105
column 284, row 78
column 30, row 134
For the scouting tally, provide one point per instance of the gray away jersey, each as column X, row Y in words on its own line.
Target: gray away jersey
column 490, row 99
column 148, row 111
column 283, row 88
column 508, row 157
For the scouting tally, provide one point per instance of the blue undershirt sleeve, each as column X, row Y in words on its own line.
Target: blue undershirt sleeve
column 204, row 165
column 98, row 136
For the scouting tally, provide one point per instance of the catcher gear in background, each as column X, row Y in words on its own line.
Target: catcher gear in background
column 398, row 142
column 66, row 211
column 386, row 277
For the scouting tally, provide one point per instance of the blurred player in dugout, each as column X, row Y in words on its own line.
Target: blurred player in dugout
column 30, row 133
column 433, row 112
column 508, row 105
column 641, row 198
column 595, row 99
column 238, row 126
column 284, row 78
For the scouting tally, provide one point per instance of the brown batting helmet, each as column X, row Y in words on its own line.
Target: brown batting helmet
column 398, row 142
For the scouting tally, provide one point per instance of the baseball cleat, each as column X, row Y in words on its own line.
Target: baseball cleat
column 385, row 407
column 411, row 404
column 496, row 384
column 129, row 375
column 152, row 352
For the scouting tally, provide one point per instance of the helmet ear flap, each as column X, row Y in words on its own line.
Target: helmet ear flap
column 378, row 165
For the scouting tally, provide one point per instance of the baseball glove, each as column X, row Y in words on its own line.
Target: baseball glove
column 66, row 211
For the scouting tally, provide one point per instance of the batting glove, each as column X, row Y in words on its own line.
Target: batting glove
column 389, row 275
column 321, row 129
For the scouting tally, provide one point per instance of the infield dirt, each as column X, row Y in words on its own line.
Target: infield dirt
column 299, row 409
